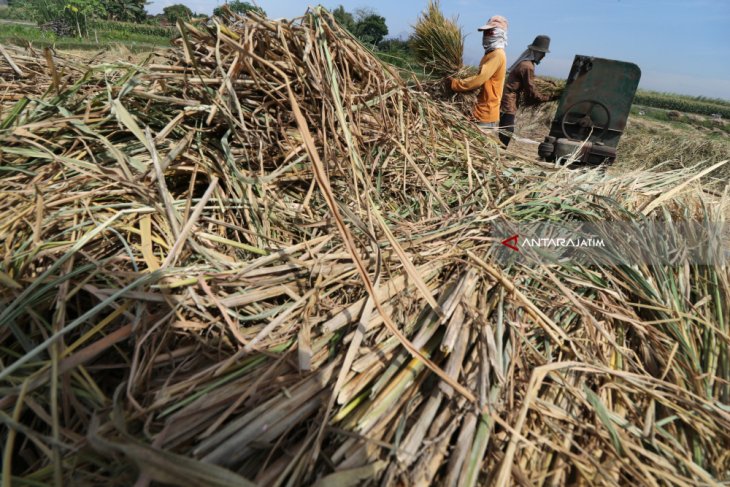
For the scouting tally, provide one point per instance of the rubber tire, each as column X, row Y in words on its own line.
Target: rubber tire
column 545, row 150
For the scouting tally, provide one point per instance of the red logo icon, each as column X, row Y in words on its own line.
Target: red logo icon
column 513, row 245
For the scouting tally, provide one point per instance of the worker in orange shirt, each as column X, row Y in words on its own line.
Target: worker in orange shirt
column 492, row 69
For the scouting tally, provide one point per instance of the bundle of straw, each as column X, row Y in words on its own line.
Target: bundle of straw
column 551, row 89
column 438, row 42
column 268, row 260
column 438, row 45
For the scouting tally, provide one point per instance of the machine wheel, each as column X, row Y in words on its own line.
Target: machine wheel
column 546, row 150
column 578, row 118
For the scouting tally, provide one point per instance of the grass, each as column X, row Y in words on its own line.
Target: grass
column 102, row 34
column 130, row 28
column 16, row 13
column 683, row 120
column 683, row 103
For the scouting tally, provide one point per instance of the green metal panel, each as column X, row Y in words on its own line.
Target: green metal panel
column 596, row 101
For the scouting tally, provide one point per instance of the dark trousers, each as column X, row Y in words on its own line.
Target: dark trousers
column 506, row 124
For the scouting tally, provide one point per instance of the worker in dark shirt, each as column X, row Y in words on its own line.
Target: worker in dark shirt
column 520, row 85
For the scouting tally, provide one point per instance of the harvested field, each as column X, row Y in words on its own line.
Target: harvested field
column 265, row 259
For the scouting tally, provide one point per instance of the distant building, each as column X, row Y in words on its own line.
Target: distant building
column 3, row 3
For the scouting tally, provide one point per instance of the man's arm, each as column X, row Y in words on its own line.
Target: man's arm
column 486, row 72
column 531, row 92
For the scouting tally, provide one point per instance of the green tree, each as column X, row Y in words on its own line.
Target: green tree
column 126, row 10
column 370, row 27
column 73, row 13
column 177, row 11
column 239, row 7
column 344, row 18
column 18, row 10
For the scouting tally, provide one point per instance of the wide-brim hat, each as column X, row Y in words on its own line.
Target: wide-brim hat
column 496, row 22
column 541, row 43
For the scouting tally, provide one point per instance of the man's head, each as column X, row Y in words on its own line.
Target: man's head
column 540, row 46
column 496, row 22
column 494, row 33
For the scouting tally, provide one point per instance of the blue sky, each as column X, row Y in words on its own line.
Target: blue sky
column 673, row 41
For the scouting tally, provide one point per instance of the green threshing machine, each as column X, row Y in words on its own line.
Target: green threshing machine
column 592, row 112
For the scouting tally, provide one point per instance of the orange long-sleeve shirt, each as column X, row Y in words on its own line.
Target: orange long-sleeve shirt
column 492, row 69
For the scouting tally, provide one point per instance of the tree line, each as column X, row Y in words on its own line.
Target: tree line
column 365, row 24
column 370, row 28
column 73, row 17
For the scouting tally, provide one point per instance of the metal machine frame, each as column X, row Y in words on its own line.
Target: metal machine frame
column 592, row 112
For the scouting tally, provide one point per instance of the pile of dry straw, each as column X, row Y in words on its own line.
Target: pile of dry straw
column 265, row 259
